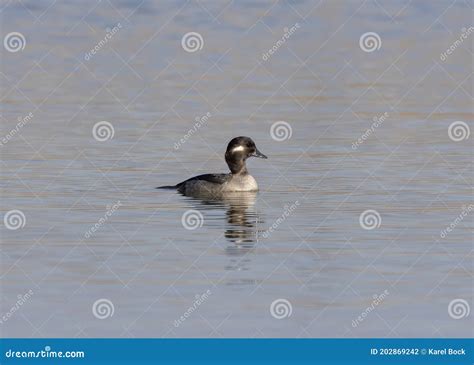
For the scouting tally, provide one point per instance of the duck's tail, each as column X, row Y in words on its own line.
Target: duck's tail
column 167, row 187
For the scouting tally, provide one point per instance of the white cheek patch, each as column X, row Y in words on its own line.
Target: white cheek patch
column 238, row 149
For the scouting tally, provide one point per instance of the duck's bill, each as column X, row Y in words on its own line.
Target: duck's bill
column 259, row 154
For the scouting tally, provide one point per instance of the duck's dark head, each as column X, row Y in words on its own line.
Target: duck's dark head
column 238, row 150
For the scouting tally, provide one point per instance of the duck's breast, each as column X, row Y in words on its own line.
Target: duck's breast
column 242, row 183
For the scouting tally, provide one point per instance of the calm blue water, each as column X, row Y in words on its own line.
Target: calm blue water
column 314, row 187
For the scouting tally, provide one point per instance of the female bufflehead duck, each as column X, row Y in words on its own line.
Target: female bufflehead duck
column 238, row 150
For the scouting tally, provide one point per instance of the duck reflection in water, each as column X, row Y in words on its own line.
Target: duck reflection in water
column 242, row 219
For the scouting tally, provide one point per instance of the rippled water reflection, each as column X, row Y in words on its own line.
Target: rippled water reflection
column 318, row 257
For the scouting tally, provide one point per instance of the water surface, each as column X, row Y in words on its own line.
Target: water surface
column 317, row 257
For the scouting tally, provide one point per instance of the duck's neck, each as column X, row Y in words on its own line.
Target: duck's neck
column 236, row 167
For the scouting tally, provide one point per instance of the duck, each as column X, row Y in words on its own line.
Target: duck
column 238, row 151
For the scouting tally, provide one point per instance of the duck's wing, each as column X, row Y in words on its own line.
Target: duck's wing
column 212, row 178
column 203, row 185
